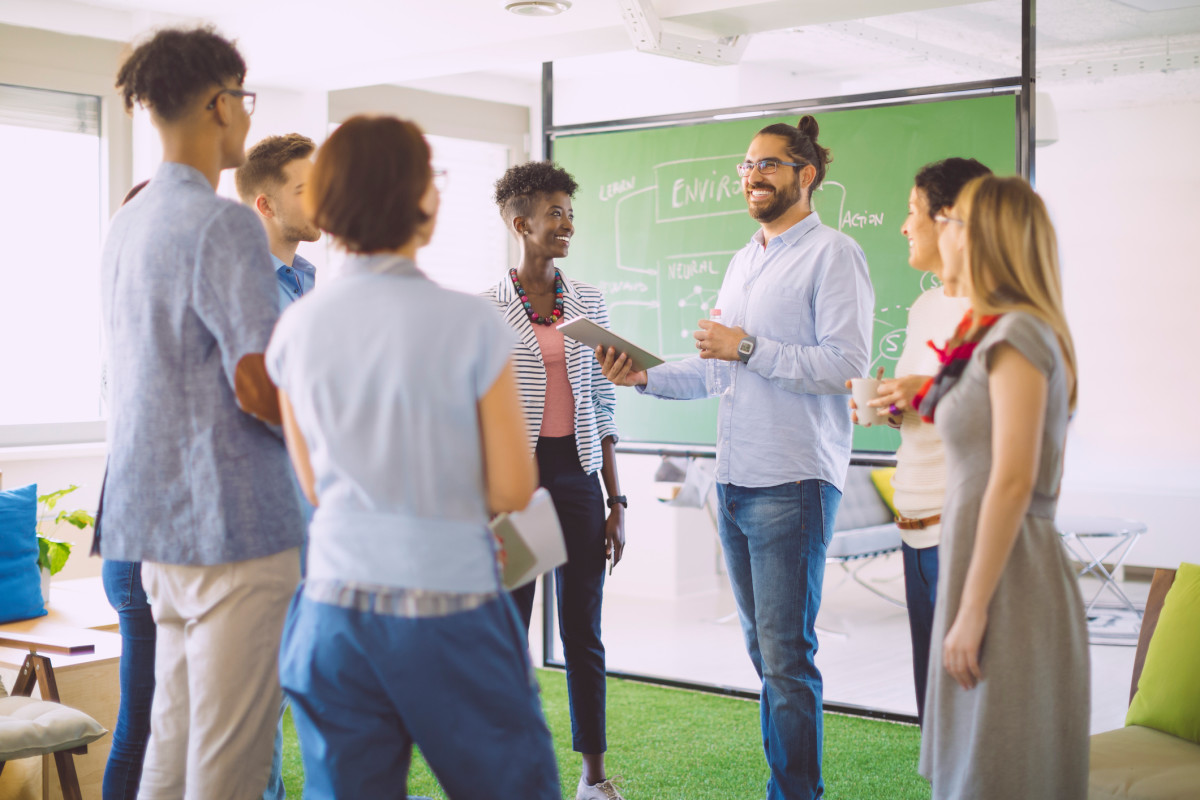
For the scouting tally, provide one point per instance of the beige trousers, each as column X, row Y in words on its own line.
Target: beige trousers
column 216, row 697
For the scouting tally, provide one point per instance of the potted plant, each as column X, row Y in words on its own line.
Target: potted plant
column 53, row 553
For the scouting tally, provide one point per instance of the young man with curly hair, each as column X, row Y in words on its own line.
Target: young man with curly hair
column 569, row 423
column 198, row 485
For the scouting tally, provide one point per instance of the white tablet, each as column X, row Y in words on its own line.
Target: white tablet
column 584, row 330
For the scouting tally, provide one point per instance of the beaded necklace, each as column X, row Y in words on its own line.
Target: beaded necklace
column 534, row 317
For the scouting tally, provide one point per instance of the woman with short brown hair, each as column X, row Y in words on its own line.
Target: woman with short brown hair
column 401, row 414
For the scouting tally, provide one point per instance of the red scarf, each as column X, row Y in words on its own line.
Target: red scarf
column 953, row 358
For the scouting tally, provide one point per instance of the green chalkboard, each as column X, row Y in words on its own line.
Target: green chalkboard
column 660, row 212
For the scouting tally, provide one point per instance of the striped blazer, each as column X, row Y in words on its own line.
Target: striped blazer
column 595, row 397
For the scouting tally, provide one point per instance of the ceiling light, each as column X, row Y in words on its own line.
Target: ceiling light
column 538, row 8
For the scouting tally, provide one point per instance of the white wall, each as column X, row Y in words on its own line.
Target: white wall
column 1123, row 187
column 57, row 467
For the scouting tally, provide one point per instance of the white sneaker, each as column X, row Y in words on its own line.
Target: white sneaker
column 604, row 790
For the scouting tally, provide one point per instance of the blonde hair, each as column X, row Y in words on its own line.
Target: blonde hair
column 1012, row 254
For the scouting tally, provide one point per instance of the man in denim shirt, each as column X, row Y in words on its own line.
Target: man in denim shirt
column 798, row 300
column 271, row 181
column 198, row 486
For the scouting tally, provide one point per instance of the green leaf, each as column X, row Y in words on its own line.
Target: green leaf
column 79, row 518
column 50, row 500
column 52, row 554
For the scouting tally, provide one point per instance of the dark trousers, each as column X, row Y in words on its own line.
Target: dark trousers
column 920, row 592
column 579, row 586
column 123, row 586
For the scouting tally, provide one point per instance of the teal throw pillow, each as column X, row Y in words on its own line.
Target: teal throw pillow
column 20, row 578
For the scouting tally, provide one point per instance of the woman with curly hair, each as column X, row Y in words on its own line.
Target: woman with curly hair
column 569, row 422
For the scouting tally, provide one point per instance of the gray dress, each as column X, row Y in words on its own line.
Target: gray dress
column 1022, row 732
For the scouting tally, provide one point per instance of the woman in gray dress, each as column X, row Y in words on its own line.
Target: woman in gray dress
column 1007, row 708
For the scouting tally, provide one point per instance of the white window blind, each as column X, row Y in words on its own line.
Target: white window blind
column 64, row 112
column 50, row 213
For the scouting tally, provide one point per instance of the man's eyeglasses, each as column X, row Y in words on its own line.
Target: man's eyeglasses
column 767, row 166
column 941, row 219
column 440, row 179
column 248, row 99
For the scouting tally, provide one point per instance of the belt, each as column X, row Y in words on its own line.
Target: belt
column 906, row 524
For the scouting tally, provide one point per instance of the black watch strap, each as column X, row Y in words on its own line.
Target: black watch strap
column 617, row 498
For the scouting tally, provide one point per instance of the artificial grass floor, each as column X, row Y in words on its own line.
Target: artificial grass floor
column 671, row 744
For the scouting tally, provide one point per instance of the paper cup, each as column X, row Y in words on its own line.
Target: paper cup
column 864, row 390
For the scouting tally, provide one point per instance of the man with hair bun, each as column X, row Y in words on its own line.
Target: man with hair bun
column 198, row 485
column 797, row 301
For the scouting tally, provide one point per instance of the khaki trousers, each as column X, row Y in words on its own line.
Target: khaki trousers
column 216, row 700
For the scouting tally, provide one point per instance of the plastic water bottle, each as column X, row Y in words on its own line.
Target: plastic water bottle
column 717, row 377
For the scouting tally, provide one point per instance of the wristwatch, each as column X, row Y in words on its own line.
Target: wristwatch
column 617, row 498
column 746, row 348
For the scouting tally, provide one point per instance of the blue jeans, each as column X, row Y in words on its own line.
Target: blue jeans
column 366, row 687
column 123, row 586
column 775, row 540
column 920, row 592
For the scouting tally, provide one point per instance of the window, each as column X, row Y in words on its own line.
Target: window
column 51, row 206
column 469, row 251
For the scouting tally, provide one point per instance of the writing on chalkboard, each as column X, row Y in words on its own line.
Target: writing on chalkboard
column 610, row 190
column 860, row 220
column 682, row 270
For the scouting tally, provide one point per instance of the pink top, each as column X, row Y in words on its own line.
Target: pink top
column 558, row 415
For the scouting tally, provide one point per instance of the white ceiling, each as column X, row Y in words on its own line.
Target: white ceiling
column 475, row 47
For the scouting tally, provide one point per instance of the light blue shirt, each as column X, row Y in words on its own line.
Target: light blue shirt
column 385, row 370
column 808, row 299
column 186, row 293
column 294, row 281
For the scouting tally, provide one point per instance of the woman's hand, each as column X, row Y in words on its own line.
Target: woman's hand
column 618, row 368
column 962, row 645
column 614, row 534
column 898, row 392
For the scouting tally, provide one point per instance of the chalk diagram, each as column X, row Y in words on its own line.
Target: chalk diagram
column 675, row 289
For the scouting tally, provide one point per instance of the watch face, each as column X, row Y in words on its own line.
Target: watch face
column 746, row 347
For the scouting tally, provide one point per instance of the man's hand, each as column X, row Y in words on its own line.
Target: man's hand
column 714, row 340
column 618, row 368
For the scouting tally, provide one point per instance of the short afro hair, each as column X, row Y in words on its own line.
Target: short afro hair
column 166, row 73
column 262, row 171
column 516, row 191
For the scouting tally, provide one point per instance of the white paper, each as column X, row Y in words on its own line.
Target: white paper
column 532, row 540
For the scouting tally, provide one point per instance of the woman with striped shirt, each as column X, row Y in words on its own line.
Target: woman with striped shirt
column 569, row 421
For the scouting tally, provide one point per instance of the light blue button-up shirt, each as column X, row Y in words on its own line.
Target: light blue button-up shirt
column 387, row 398
column 808, row 299
column 294, row 281
column 186, row 293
